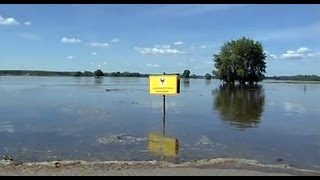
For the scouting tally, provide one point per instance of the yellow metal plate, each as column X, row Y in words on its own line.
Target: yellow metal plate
column 164, row 84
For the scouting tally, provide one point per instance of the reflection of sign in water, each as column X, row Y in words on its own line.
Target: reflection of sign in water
column 161, row 145
column 164, row 84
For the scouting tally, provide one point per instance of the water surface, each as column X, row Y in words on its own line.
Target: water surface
column 55, row 118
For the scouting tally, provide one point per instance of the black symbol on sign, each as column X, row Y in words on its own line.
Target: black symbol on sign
column 162, row 80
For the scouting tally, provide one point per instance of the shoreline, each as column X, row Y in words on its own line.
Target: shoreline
column 218, row 166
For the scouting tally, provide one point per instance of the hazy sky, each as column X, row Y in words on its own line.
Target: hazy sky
column 155, row 38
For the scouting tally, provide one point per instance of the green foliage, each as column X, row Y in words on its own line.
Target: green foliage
column 241, row 60
column 88, row 73
column 135, row 74
column 207, row 76
column 297, row 78
column 34, row 73
column 126, row 74
column 193, row 76
column 185, row 74
column 98, row 73
column 78, row 73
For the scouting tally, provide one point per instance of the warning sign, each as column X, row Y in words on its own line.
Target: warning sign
column 164, row 84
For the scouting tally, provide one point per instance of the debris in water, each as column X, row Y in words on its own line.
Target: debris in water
column 204, row 140
column 57, row 164
column 279, row 160
column 120, row 139
column 7, row 158
column 112, row 89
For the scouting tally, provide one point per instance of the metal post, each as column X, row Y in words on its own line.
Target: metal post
column 164, row 114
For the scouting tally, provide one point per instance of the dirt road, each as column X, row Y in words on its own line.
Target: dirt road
column 214, row 167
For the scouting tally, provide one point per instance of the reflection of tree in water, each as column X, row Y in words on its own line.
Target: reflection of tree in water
column 208, row 82
column 98, row 80
column 77, row 79
column 185, row 82
column 242, row 106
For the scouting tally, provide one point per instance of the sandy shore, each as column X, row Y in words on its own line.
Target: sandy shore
column 213, row 167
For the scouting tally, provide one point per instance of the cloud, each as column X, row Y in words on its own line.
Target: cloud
column 303, row 50
column 71, row 57
column 317, row 54
column 115, row 40
column 163, row 46
column 298, row 54
column 29, row 36
column 273, row 56
column 181, row 64
column 8, row 21
column 98, row 44
column 153, row 65
column 291, row 56
column 70, row 40
column 166, row 46
column 27, row 23
column 178, row 43
column 105, row 63
column 203, row 47
column 94, row 53
column 185, row 10
column 158, row 50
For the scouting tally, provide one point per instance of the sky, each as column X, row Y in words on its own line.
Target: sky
column 150, row 38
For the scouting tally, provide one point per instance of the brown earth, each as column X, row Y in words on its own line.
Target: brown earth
column 214, row 167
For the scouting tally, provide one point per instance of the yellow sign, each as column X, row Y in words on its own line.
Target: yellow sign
column 164, row 84
column 158, row 144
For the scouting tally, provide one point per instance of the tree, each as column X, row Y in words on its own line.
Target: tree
column 207, row 76
column 193, row 76
column 185, row 74
column 78, row 73
column 98, row 73
column 87, row 73
column 241, row 60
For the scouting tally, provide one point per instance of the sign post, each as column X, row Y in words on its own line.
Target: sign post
column 164, row 84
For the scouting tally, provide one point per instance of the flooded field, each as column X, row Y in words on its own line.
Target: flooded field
column 72, row 118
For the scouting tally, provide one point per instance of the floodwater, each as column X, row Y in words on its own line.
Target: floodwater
column 60, row 118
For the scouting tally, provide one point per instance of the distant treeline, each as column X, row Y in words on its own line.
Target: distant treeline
column 194, row 76
column 80, row 74
column 136, row 74
column 296, row 78
column 34, row 73
column 74, row 73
